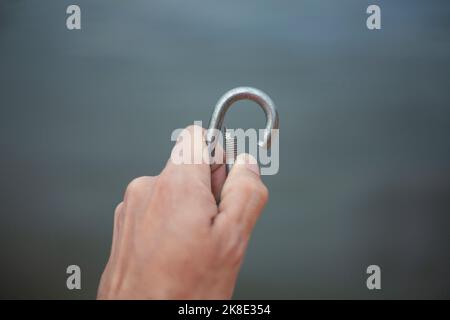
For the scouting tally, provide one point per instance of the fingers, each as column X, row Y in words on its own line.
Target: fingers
column 189, row 157
column 137, row 194
column 243, row 197
column 189, row 163
column 218, row 176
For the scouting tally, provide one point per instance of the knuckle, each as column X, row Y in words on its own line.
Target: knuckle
column 180, row 184
column 136, row 187
column 135, row 184
column 255, row 188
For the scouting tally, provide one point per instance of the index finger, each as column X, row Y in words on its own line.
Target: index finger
column 189, row 157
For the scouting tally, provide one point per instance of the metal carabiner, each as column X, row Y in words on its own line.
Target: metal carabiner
column 222, row 106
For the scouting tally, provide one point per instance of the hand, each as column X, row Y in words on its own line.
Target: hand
column 171, row 239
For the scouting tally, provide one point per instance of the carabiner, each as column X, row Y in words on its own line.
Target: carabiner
column 225, row 102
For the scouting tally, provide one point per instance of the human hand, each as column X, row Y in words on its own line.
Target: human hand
column 171, row 239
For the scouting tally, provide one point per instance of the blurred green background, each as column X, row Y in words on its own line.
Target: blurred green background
column 364, row 135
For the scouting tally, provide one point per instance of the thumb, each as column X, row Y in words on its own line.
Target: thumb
column 243, row 196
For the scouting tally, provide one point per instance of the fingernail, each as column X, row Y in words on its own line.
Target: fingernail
column 249, row 161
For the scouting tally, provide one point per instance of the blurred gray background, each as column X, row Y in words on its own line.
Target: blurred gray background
column 365, row 135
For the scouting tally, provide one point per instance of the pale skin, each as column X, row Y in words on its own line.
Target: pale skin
column 183, row 234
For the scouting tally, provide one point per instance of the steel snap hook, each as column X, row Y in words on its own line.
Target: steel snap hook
column 222, row 106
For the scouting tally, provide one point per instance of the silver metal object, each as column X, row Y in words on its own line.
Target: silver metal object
column 230, row 149
column 218, row 115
